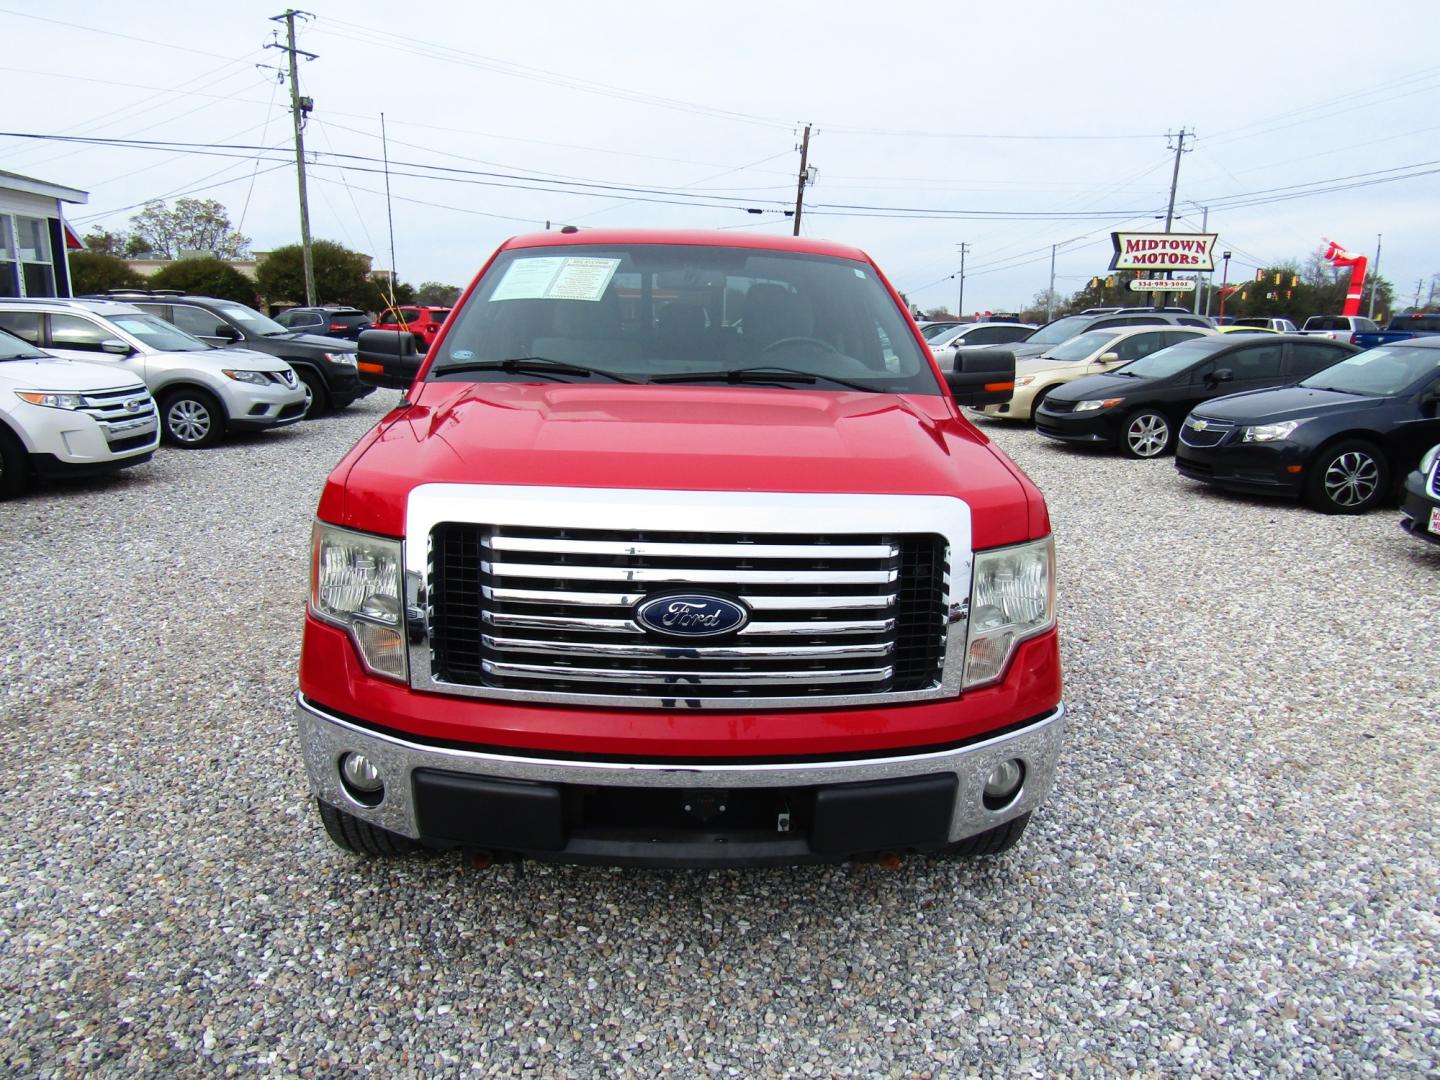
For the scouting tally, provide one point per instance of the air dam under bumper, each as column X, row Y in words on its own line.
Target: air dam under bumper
column 679, row 814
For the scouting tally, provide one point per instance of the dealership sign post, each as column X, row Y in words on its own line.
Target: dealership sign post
column 1162, row 252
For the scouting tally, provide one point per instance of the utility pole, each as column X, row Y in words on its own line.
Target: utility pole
column 1050, row 296
column 804, row 175
column 1174, row 183
column 960, row 304
column 1204, row 228
column 1375, row 281
column 299, row 106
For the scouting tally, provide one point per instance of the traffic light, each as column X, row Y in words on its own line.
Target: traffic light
column 1277, row 277
column 1110, row 282
column 1259, row 274
column 1294, row 280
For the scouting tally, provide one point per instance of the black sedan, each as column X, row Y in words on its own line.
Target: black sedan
column 1420, row 513
column 1337, row 439
column 1139, row 407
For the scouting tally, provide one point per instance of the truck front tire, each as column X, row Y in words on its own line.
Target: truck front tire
column 360, row 837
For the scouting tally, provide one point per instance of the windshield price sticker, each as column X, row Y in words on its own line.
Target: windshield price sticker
column 556, row 278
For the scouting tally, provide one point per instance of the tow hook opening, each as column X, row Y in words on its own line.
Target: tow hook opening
column 705, row 805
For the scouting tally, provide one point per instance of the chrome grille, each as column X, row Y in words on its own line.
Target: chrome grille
column 112, row 410
column 1202, row 431
column 524, row 608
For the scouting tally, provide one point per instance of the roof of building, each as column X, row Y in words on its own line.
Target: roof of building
column 32, row 186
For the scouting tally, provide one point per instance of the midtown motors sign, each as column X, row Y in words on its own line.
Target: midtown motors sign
column 1163, row 251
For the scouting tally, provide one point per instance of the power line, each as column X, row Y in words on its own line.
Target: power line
column 71, row 25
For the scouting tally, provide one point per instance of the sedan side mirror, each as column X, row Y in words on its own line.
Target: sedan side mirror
column 982, row 377
column 116, row 346
column 1110, row 358
column 387, row 359
column 1215, row 378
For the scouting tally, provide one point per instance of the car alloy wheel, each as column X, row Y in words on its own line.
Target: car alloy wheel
column 1351, row 479
column 192, row 419
column 1147, row 435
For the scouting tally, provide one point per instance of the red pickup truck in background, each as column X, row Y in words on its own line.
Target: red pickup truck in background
column 678, row 551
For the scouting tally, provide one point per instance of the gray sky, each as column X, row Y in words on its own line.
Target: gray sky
column 1030, row 109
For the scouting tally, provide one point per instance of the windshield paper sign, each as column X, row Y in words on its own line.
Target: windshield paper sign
column 1163, row 251
column 556, row 278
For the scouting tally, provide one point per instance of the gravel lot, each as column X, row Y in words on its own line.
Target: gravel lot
column 1237, row 874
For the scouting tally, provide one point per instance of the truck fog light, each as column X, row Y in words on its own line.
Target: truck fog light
column 361, row 778
column 1003, row 782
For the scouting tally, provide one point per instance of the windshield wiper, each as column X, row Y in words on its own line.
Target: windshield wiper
column 758, row 375
column 532, row 365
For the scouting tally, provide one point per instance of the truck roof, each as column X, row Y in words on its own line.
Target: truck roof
column 690, row 237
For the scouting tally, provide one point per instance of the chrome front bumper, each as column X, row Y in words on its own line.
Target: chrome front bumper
column 325, row 737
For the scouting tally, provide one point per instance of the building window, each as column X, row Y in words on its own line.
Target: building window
column 9, row 280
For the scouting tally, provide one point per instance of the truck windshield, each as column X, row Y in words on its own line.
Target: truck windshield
column 1380, row 372
column 674, row 312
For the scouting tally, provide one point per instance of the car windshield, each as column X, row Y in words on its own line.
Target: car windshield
column 1059, row 330
column 1082, row 346
column 12, row 348
column 931, row 332
column 1380, row 372
column 948, row 337
column 681, row 313
column 251, row 319
column 1176, row 358
column 158, row 334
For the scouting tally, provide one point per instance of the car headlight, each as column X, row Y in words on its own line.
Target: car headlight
column 52, row 399
column 1270, row 432
column 356, row 582
column 1097, row 403
column 1012, row 597
column 254, row 378
column 1427, row 460
column 1024, row 380
column 344, row 359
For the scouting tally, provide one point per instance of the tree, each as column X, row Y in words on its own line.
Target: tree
column 434, row 294
column 207, row 277
column 341, row 276
column 103, row 242
column 192, row 225
column 938, row 313
column 96, row 272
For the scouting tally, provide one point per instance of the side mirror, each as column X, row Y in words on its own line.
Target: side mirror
column 1215, row 378
column 387, row 359
column 116, row 346
column 226, row 332
column 1110, row 358
column 982, row 377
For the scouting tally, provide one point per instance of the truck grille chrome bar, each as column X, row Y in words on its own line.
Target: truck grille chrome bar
column 550, row 612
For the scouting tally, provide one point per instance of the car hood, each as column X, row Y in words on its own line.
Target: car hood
column 1099, row 386
column 297, row 344
column 69, row 375
column 236, row 359
column 1041, row 365
column 1284, row 403
column 680, row 438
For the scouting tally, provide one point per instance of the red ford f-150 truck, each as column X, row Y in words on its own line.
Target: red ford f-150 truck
column 678, row 551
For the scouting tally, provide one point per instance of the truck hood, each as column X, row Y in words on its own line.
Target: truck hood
column 679, row 438
column 73, row 376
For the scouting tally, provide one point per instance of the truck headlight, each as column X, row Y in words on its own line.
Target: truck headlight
column 1012, row 597
column 1270, row 432
column 254, row 378
column 355, row 582
column 343, row 359
column 52, row 399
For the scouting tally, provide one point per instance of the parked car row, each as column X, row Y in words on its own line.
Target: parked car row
column 1307, row 416
column 94, row 384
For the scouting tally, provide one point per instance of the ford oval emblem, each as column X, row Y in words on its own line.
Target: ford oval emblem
column 691, row 615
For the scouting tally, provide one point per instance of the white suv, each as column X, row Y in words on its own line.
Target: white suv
column 63, row 418
column 202, row 391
